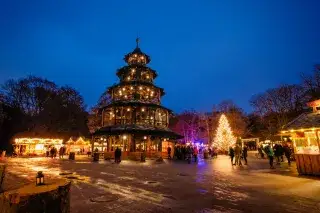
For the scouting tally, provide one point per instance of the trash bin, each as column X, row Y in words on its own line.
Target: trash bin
column 96, row 156
column 72, row 155
column 143, row 157
column 205, row 155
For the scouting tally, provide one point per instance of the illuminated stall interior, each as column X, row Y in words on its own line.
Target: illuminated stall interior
column 304, row 131
column 35, row 146
column 135, row 120
column 78, row 145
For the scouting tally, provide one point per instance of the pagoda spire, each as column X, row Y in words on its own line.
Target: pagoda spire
column 137, row 41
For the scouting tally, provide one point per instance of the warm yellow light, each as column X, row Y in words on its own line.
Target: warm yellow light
column 128, row 109
column 126, row 96
column 101, row 138
column 151, row 118
column 147, row 96
column 131, row 88
column 148, row 89
column 145, row 137
column 147, row 76
column 142, row 109
column 291, row 130
column 39, row 147
column 123, row 89
column 224, row 137
column 133, row 70
column 151, row 94
column 135, row 55
column 140, row 88
column 124, row 137
column 48, row 141
column 159, row 113
column 128, row 78
column 142, row 57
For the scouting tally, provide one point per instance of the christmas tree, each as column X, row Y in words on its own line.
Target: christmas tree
column 224, row 137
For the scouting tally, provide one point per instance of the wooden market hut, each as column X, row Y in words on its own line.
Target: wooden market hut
column 78, row 145
column 33, row 143
column 304, row 131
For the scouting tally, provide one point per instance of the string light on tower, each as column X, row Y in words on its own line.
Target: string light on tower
column 224, row 137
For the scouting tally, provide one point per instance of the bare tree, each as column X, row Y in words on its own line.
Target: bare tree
column 311, row 83
column 29, row 94
column 188, row 125
column 278, row 106
column 95, row 115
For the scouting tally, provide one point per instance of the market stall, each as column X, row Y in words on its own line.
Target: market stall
column 35, row 146
column 304, row 131
column 78, row 145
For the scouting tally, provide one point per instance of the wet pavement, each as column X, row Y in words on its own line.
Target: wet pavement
column 206, row 186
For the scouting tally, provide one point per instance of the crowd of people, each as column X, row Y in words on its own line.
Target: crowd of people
column 191, row 153
column 276, row 152
column 53, row 151
column 238, row 153
column 182, row 152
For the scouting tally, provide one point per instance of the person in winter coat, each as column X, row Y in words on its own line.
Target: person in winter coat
column 237, row 153
column 231, row 154
column 270, row 154
column 195, row 153
column 245, row 154
column 287, row 153
column 61, row 152
column 277, row 152
column 260, row 151
column 169, row 152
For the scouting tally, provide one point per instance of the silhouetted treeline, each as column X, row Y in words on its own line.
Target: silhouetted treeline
column 34, row 104
column 272, row 110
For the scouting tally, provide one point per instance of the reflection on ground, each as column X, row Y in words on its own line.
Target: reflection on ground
column 206, row 186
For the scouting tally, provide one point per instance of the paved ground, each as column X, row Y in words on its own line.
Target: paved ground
column 208, row 186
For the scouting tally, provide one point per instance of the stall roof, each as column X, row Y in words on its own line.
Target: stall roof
column 30, row 134
column 304, row 121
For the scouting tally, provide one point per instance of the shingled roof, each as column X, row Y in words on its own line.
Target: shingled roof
column 135, row 128
column 304, row 121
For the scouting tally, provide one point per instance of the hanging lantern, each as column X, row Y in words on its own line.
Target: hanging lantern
column 39, row 179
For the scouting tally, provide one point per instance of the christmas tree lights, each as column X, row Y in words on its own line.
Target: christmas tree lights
column 224, row 137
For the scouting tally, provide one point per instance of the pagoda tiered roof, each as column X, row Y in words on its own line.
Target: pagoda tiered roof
column 135, row 103
column 125, row 69
column 164, row 132
column 136, row 83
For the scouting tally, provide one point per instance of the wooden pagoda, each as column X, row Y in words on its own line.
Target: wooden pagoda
column 135, row 121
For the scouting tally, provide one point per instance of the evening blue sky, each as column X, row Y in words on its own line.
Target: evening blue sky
column 203, row 51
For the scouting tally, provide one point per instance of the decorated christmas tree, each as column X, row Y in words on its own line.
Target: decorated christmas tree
column 224, row 137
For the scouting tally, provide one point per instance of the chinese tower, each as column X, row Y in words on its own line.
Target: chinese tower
column 135, row 120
